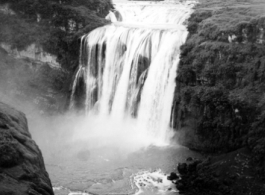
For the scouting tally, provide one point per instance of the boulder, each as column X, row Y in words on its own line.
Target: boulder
column 182, row 168
column 172, row 176
column 22, row 170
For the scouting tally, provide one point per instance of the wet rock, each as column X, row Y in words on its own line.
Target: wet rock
column 22, row 170
column 182, row 168
column 9, row 155
column 218, row 175
column 192, row 167
column 180, row 186
column 172, row 176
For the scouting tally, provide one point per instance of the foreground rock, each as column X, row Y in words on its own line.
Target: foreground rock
column 22, row 170
column 229, row 174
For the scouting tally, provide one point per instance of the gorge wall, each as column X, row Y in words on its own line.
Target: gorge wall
column 22, row 170
column 219, row 99
column 39, row 49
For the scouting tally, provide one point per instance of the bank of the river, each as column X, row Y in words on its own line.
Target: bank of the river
column 219, row 98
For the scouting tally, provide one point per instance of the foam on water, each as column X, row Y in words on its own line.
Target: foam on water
column 155, row 182
column 144, row 182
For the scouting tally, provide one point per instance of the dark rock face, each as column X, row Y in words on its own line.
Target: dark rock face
column 221, row 79
column 228, row 174
column 22, row 170
column 219, row 100
column 173, row 176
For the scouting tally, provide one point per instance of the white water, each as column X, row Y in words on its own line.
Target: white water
column 155, row 182
column 125, row 83
column 129, row 67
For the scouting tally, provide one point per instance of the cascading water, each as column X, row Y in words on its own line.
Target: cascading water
column 128, row 68
column 125, row 84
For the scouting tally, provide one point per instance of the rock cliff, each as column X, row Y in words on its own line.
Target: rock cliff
column 22, row 170
column 219, row 100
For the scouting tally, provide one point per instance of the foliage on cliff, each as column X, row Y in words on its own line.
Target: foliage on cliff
column 219, row 100
column 54, row 24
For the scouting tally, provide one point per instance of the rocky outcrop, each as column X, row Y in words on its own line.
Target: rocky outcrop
column 33, row 52
column 220, row 83
column 30, row 82
column 229, row 174
column 22, row 170
column 219, row 100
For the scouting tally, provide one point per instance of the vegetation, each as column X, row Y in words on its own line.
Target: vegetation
column 219, row 101
column 54, row 24
column 228, row 174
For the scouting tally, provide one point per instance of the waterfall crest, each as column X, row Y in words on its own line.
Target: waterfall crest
column 127, row 69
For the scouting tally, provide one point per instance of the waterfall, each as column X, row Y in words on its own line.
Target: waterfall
column 127, row 69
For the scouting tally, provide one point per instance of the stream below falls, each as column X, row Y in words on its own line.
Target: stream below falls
column 105, row 171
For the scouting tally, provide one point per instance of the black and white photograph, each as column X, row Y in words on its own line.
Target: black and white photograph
column 132, row 97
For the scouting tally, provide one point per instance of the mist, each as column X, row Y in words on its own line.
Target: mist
column 71, row 133
column 64, row 135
